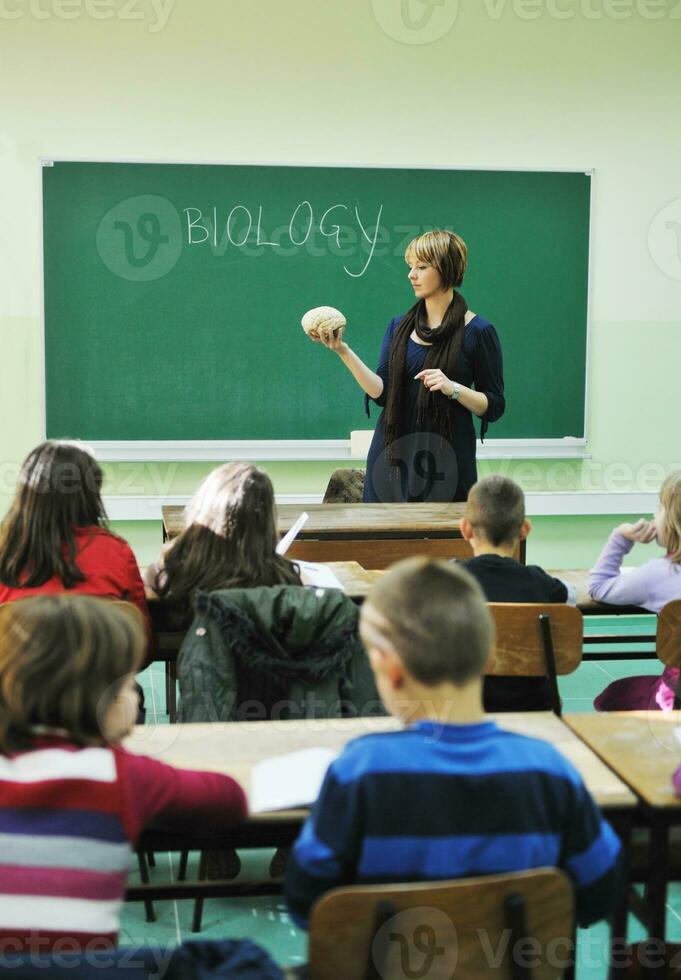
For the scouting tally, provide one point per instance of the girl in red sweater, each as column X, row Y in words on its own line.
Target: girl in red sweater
column 55, row 536
column 73, row 801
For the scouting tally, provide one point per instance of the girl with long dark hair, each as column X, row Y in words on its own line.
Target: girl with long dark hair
column 55, row 537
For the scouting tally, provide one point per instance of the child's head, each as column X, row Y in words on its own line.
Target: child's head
column 495, row 513
column 230, row 535
column 235, row 500
column 426, row 624
column 67, row 662
column 58, row 490
column 668, row 517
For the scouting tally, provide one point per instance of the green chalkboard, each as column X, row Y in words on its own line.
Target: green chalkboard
column 174, row 292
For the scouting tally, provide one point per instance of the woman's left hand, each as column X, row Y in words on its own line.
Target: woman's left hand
column 435, row 380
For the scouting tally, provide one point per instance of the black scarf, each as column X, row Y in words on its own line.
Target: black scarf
column 432, row 406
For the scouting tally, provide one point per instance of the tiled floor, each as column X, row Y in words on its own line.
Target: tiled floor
column 265, row 920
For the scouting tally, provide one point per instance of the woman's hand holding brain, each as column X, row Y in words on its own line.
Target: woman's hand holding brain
column 325, row 325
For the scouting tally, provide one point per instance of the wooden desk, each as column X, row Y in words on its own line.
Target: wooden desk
column 579, row 578
column 593, row 642
column 375, row 535
column 642, row 749
column 235, row 747
column 355, row 580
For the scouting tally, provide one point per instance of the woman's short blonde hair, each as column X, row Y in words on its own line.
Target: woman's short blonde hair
column 670, row 498
column 445, row 251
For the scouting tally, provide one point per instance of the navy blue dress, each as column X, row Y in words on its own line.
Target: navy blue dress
column 480, row 367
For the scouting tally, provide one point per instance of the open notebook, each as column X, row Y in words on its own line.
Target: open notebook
column 289, row 781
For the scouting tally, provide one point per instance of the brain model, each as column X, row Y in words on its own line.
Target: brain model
column 322, row 316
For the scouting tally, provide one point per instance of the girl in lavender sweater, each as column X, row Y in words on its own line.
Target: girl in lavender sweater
column 652, row 586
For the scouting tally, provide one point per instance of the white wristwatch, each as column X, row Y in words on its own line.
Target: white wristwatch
column 456, row 391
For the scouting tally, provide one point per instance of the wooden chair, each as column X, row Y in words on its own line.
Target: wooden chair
column 537, row 640
column 170, row 624
column 668, row 640
column 516, row 926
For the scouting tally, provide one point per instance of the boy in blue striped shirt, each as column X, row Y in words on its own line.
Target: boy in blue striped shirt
column 451, row 795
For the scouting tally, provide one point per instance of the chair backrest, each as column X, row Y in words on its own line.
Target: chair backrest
column 520, row 647
column 668, row 641
column 472, row 929
column 536, row 640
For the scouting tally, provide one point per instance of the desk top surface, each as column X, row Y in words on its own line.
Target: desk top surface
column 579, row 578
column 354, row 518
column 235, row 747
column 640, row 746
column 355, row 580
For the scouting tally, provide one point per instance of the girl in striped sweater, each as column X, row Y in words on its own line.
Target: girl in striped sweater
column 73, row 801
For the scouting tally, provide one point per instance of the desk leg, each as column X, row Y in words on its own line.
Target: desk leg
column 171, row 690
column 656, row 965
column 619, row 947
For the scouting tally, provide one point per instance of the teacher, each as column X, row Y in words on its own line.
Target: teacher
column 440, row 364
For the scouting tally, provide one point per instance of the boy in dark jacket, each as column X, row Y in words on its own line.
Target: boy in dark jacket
column 494, row 524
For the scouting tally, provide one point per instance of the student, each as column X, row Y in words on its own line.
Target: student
column 229, row 538
column 652, row 586
column 55, row 536
column 494, row 524
column 451, row 795
column 73, row 801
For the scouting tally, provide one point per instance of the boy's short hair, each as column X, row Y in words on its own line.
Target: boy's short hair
column 63, row 661
column 434, row 615
column 496, row 509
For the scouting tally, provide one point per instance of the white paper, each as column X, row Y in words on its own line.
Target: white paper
column 289, row 781
column 312, row 573
column 287, row 540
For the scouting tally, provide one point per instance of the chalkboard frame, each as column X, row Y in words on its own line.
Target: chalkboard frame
column 569, row 447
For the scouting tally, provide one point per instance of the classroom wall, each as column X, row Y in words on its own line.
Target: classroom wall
column 481, row 83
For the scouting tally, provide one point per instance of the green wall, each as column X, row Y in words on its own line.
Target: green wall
column 498, row 85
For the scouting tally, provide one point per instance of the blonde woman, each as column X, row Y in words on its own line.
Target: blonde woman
column 440, row 365
column 651, row 585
